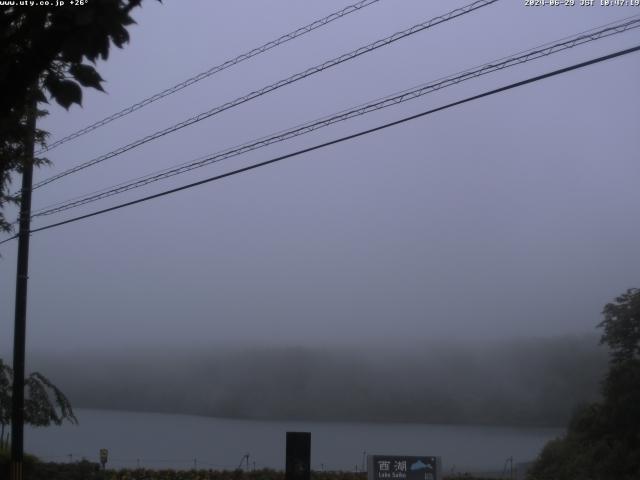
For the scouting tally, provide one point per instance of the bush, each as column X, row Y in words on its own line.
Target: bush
column 34, row 469
column 5, row 462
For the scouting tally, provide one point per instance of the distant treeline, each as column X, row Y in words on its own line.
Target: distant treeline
column 537, row 382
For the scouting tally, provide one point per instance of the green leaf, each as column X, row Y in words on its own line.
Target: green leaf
column 120, row 36
column 87, row 76
column 65, row 92
column 103, row 47
column 72, row 51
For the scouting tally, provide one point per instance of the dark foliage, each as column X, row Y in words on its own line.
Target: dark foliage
column 5, row 460
column 43, row 53
column 44, row 403
column 263, row 474
column 84, row 470
column 603, row 439
column 33, row 469
column 622, row 327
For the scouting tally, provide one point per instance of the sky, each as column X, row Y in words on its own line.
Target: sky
column 507, row 217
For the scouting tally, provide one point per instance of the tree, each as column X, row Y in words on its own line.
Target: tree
column 43, row 53
column 622, row 327
column 603, row 439
column 44, row 403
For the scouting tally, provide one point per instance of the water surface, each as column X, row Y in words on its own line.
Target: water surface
column 182, row 441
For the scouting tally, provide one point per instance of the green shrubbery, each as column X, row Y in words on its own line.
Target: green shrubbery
column 265, row 474
column 5, row 457
column 34, row 469
column 84, row 470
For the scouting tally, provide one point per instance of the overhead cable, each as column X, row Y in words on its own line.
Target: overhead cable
column 274, row 86
column 505, row 62
column 341, row 139
column 213, row 70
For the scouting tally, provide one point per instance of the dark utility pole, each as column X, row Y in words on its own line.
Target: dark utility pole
column 19, row 333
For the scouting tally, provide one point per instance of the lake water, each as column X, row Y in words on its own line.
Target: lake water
column 180, row 441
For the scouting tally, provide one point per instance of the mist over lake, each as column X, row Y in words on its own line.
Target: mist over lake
column 534, row 382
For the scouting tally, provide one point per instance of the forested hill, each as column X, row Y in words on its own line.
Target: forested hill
column 523, row 382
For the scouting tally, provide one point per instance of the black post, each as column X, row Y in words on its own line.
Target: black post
column 298, row 456
column 19, row 333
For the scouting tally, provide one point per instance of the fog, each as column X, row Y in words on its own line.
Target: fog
column 449, row 270
column 536, row 382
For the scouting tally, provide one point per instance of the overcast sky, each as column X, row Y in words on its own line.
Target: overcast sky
column 515, row 215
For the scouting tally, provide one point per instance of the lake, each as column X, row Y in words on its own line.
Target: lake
column 182, row 441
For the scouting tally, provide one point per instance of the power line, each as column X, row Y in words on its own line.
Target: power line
column 342, row 139
column 529, row 55
column 416, row 92
column 274, row 86
column 213, row 70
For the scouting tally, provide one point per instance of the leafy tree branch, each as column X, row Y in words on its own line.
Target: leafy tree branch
column 45, row 54
column 44, row 405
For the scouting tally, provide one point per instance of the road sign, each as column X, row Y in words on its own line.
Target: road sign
column 403, row 467
column 104, row 456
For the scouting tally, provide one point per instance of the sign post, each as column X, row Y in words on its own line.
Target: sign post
column 104, row 456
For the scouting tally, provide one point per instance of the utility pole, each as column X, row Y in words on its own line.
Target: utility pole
column 19, row 332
